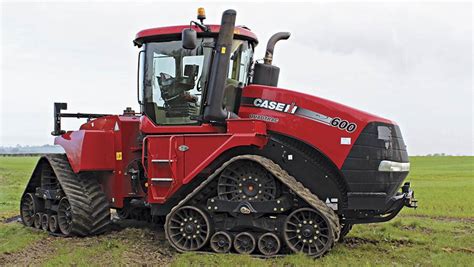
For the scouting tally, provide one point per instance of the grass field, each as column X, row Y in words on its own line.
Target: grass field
column 439, row 233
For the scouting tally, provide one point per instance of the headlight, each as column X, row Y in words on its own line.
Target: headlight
column 392, row 166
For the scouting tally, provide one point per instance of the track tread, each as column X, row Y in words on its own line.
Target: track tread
column 89, row 204
column 280, row 174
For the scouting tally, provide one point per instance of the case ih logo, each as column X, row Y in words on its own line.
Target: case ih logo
column 273, row 105
column 292, row 108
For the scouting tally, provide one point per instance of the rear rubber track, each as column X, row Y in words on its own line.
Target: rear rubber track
column 89, row 204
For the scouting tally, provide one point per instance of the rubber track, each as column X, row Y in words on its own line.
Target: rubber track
column 89, row 204
column 281, row 175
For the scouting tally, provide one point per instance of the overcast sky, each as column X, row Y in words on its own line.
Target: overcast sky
column 408, row 62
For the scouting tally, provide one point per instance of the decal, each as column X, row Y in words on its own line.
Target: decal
column 345, row 140
column 343, row 125
column 273, row 105
column 263, row 118
column 332, row 203
column 314, row 116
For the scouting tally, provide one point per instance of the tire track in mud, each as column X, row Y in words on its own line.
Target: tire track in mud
column 140, row 244
column 33, row 254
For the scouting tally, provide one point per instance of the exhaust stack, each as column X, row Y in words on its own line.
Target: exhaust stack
column 213, row 110
column 266, row 73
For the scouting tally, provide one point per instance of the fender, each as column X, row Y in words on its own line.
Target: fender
column 88, row 150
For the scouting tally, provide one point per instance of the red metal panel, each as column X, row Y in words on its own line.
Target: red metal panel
column 191, row 153
column 324, row 137
column 148, row 127
column 89, row 149
column 249, row 126
column 204, row 149
column 126, row 142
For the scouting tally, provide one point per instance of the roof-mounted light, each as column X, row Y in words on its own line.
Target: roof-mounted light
column 201, row 14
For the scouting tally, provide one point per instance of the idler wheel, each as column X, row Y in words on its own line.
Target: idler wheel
column 308, row 231
column 28, row 209
column 188, row 228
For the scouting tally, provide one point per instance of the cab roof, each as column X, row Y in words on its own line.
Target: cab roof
column 173, row 32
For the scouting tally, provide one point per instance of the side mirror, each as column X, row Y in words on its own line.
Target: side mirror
column 189, row 39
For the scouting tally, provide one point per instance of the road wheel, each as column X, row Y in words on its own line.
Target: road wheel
column 244, row 243
column 37, row 220
column 53, row 224
column 269, row 244
column 221, row 242
column 45, row 221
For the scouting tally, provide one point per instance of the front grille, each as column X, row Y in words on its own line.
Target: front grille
column 378, row 141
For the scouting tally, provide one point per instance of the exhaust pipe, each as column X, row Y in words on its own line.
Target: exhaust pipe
column 213, row 109
column 271, row 45
column 266, row 73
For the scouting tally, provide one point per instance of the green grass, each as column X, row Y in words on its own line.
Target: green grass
column 439, row 233
column 14, row 174
column 15, row 237
column 444, row 186
column 93, row 252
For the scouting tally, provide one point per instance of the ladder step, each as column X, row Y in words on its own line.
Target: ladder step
column 162, row 160
column 161, row 179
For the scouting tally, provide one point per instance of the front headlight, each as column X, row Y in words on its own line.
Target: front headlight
column 393, row 166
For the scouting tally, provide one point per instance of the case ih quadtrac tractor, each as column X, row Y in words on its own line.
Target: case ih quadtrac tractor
column 220, row 155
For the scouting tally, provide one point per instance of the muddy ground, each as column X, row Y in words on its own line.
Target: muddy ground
column 145, row 243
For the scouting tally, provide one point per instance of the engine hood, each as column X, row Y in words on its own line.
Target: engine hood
column 330, row 127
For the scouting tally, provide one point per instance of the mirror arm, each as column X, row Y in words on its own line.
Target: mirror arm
column 203, row 27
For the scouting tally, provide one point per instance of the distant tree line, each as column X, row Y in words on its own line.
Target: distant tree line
column 19, row 149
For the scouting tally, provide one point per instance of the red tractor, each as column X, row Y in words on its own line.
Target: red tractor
column 220, row 155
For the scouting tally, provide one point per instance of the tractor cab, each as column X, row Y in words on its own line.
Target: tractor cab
column 173, row 78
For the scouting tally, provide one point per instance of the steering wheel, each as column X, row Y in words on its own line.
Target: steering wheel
column 198, row 84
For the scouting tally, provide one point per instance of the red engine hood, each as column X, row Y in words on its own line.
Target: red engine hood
column 330, row 127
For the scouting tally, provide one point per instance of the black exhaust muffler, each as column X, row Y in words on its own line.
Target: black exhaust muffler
column 266, row 73
column 213, row 109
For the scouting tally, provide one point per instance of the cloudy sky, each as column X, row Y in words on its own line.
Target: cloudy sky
column 408, row 62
